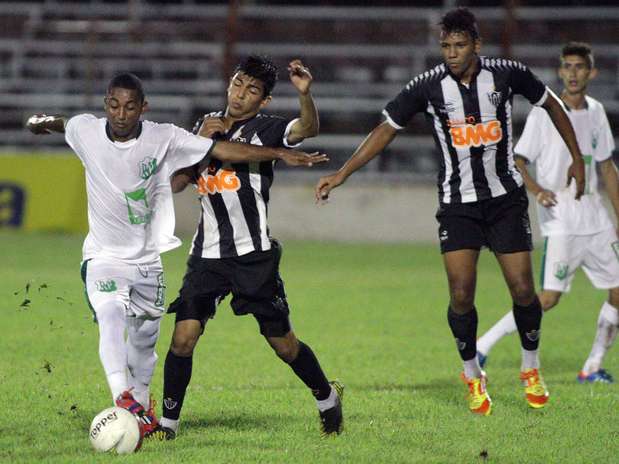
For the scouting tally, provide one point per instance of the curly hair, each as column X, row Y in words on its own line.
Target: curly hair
column 260, row 67
column 460, row 20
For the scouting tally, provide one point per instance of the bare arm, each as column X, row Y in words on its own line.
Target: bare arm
column 308, row 123
column 373, row 144
column 544, row 197
column 564, row 126
column 44, row 124
column 611, row 182
column 234, row 152
column 182, row 178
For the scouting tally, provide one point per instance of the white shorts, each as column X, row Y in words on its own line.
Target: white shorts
column 139, row 287
column 597, row 254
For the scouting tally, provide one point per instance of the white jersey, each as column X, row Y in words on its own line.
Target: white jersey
column 130, row 208
column 541, row 143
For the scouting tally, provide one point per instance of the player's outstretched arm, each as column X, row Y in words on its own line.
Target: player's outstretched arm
column 234, row 152
column 611, row 182
column 544, row 197
column 373, row 144
column 577, row 170
column 46, row 124
column 308, row 123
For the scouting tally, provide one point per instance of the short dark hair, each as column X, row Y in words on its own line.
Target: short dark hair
column 259, row 67
column 129, row 81
column 581, row 49
column 460, row 20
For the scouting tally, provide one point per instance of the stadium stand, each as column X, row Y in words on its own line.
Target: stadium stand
column 58, row 56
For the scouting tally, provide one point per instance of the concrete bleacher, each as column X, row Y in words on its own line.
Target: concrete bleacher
column 58, row 56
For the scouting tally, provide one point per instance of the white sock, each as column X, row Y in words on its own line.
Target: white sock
column 329, row 402
column 607, row 326
column 472, row 369
column 530, row 359
column 140, row 392
column 112, row 347
column 170, row 423
column 505, row 326
column 142, row 337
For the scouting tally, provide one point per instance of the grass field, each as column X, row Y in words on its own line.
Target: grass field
column 376, row 317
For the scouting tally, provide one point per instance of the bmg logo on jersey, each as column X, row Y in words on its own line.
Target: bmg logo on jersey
column 476, row 135
column 224, row 180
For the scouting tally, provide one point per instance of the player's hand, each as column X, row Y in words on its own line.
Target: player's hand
column 576, row 171
column 37, row 123
column 546, row 198
column 300, row 76
column 300, row 158
column 325, row 185
column 212, row 126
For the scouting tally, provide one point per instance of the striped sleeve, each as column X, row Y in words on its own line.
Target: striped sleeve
column 411, row 100
column 525, row 83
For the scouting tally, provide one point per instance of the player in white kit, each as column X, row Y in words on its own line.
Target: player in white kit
column 128, row 164
column 578, row 233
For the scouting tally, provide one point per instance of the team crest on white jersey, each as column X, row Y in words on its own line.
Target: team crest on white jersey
column 147, row 167
column 561, row 270
column 594, row 139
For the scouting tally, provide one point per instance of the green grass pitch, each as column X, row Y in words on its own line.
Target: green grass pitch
column 376, row 317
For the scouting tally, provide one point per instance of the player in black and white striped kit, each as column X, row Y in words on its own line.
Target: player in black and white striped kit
column 468, row 100
column 232, row 250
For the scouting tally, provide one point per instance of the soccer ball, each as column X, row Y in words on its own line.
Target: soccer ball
column 116, row 429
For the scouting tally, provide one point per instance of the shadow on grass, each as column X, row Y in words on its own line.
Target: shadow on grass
column 240, row 422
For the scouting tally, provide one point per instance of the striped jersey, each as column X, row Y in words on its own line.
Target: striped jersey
column 234, row 197
column 472, row 125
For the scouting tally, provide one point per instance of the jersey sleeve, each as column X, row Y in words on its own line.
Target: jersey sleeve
column 529, row 145
column 527, row 84
column 73, row 132
column 287, row 130
column 605, row 144
column 410, row 101
column 187, row 149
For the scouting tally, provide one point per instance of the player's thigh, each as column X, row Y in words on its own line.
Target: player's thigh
column 518, row 273
column 562, row 256
column 205, row 284
column 601, row 262
column 258, row 289
column 147, row 296
column 460, row 227
column 107, row 282
column 461, row 269
column 506, row 223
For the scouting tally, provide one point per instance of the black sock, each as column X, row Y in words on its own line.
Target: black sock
column 308, row 369
column 464, row 329
column 528, row 321
column 176, row 377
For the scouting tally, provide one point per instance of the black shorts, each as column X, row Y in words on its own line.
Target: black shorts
column 255, row 284
column 502, row 224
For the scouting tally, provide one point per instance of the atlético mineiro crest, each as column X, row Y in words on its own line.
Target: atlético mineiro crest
column 494, row 97
column 533, row 335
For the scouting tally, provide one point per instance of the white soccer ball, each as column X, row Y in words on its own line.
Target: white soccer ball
column 116, row 429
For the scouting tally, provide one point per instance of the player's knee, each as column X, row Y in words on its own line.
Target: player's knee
column 523, row 292
column 549, row 300
column 462, row 298
column 109, row 310
column 184, row 342
column 613, row 297
column 286, row 349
